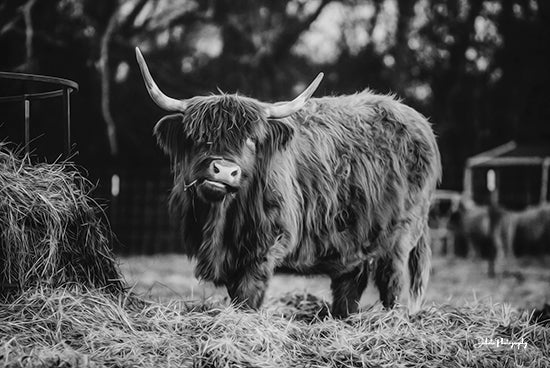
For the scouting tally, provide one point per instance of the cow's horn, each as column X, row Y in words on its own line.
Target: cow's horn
column 163, row 101
column 283, row 109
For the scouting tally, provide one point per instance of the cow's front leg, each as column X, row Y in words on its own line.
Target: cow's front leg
column 347, row 290
column 248, row 288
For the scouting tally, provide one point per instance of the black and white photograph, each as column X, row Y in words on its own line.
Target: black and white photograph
column 293, row 183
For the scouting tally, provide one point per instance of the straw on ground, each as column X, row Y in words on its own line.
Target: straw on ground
column 74, row 326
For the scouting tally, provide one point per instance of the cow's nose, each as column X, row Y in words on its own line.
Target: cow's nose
column 225, row 172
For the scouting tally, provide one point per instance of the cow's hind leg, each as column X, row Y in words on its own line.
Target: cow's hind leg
column 347, row 290
column 390, row 268
column 419, row 271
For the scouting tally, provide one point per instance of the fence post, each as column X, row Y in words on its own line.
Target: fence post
column 467, row 187
column 544, row 180
column 27, row 124
column 67, row 111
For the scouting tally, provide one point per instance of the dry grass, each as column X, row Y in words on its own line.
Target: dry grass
column 73, row 326
column 50, row 230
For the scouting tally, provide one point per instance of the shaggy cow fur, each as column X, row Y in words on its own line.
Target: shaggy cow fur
column 342, row 187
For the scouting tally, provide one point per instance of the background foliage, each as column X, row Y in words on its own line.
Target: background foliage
column 477, row 68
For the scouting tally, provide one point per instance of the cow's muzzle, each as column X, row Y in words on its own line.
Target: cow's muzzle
column 223, row 177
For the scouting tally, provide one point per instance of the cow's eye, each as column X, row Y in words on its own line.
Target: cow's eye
column 251, row 143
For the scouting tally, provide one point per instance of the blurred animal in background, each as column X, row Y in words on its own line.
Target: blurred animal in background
column 444, row 204
column 499, row 235
column 520, row 233
column 334, row 185
column 470, row 230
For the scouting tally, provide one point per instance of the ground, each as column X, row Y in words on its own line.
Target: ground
column 193, row 326
column 453, row 281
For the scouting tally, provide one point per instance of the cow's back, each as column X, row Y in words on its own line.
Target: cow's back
column 362, row 162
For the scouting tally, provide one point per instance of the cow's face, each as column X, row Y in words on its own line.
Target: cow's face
column 220, row 143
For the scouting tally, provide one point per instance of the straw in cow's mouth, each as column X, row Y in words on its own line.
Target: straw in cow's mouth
column 220, row 185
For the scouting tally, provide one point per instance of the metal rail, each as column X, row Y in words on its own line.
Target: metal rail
column 59, row 88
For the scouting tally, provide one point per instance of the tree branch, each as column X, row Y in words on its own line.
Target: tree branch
column 105, row 72
column 9, row 26
column 458, row 49
column 29, row 32
column 125, row 25
column 184, row 18
column 374, row 20
column 282, row 45
column 290, row 35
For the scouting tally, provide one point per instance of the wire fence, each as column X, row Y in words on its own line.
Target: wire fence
column 137, row 208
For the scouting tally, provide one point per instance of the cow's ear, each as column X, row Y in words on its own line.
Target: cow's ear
column 279, row 134
column 170, row 134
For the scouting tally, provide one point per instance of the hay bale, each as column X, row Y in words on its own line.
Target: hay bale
column 50, row 229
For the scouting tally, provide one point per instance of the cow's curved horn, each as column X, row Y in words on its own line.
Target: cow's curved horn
column 283, row 109
column 163, row 101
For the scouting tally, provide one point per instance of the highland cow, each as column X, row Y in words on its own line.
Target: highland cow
column 520, row 233
column 444, row 205
column 470, row 226
column 499, row 235
column 334, row 185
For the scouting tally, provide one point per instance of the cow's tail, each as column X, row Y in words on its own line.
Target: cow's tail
column 419, row 270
